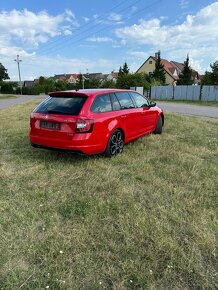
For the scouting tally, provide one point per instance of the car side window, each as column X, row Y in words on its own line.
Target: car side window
column 115, row 102
column 139, row 100
column 125, row 100
column 101, row 104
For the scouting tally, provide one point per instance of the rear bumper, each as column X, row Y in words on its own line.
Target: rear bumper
column 77, row 144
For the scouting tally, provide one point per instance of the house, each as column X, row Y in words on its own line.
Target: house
column 30, row 84
column 172, row 70
column 113, row 76
column 62, row 77
column 74, row 77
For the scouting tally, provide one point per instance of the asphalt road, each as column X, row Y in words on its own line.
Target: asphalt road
column 4, row 103
column 193, row 110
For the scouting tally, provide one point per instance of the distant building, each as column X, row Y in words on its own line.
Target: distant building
column 172, row 70
column 30, row 84
column 74, row 77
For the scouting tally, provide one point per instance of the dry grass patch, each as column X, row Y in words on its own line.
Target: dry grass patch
column 7, row 96
column 143, row 220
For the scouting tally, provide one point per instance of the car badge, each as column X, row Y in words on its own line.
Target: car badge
column 46, row 117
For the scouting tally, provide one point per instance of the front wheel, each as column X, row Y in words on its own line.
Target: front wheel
column 115, row 144
column 159, row 126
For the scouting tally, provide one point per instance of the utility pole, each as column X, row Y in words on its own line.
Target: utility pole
column 17, row 60
column 83, row 80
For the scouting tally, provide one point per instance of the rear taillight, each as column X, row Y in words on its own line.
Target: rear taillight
column 84, row 125
column 31, row 122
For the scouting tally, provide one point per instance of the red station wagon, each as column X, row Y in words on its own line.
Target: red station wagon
column 93, row 121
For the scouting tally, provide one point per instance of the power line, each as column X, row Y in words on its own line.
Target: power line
column 90, row 28
column 70, row 42
column 90, row 25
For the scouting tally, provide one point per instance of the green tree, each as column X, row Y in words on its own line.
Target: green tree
column 214, row 73
column 123, row 70
column 185, row 78
column 132, row 80
column 207, row 79
column 159, row 72
column 3, row 73
column 108, row 84
column 8, row 87
column 80, row 82
column 92, row 83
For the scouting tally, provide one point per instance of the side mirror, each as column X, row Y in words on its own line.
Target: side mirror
column 152, row 104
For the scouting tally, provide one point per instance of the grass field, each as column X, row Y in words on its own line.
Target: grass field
column 201, row 103
column 7, row 96
column 143, row 220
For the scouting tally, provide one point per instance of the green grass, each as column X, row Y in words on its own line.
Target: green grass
column 201, row 103
column 143, row 220
column 7, row 96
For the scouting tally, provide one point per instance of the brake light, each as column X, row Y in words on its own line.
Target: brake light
column 84, row 125
column 31, row 122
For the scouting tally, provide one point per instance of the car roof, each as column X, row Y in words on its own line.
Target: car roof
column 87, row 92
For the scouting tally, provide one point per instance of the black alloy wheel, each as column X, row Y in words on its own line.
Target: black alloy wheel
column 115, row 144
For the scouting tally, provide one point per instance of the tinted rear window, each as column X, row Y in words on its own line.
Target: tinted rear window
column 61, row 105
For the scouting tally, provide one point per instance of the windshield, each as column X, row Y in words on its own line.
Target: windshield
column 61, row 105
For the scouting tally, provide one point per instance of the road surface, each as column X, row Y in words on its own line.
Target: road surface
column 193, row 110
column 4, row 103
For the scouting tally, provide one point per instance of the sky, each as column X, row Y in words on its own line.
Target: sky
column 57, row 37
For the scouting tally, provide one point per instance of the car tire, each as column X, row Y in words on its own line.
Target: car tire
column 115, row 144
column 159, row 126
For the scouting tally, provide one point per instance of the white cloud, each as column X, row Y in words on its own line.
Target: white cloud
column 138, row 54
column 197, row 35
column 67, row 32
column 115, row 17
column 183, row 4
column 99, row 39
column 29, row 28
column 86, row 19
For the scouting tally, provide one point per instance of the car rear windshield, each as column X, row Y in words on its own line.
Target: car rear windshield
column 61, row 105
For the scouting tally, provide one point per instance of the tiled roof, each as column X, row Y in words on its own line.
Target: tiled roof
column 169, row 68
column 172, row 67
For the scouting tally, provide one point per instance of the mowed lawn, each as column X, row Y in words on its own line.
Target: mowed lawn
column 143, row 220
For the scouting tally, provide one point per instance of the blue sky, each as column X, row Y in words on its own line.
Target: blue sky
column 54, row 37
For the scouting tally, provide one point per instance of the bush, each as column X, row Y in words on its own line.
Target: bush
column 7, row 87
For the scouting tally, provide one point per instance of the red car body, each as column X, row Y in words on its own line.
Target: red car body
column 90, row 129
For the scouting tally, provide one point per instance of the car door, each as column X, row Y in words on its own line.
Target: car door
column 130, row 114
column 148, row 114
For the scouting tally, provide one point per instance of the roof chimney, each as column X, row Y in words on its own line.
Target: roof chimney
column 156, row 55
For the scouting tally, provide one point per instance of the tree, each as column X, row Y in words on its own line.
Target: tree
column 108, row 84
column 3, row 73
column 132, row 80
column 214, row 74
column 159, row 72
column 185, row 78
column 124, row 70
column 211, row 78
column 80, row 81
column 207, row 79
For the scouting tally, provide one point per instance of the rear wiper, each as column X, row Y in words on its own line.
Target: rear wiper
column 58, row 112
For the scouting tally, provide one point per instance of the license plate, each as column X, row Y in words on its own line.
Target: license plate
column 50, row 125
